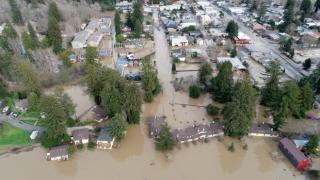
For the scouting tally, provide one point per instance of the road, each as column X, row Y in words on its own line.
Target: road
column 16, row 122
column 292, row 69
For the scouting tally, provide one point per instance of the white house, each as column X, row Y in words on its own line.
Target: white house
column 205, row 19
column 58, row 153
column 80, row 40
column 263, row 130
column 236, row 63
column 179, row 41
column 170, row 7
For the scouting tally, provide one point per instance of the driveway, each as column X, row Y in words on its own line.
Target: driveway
column 16, row 122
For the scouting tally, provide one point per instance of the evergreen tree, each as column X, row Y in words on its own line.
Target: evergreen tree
column 232, row 29
column 222, row 84
column 233, row 52
column 16, row 14
column 26, row 40
column 292, row 92
column 65, row 101
column 117, row 23
column 288, row 16
column 317, row 6
column 194, row 91
column 54, row 12
column 262, row 10
column 305, row 7
column 138, row 28
column 112, row 99
column 91, row 55
column 137, row 13
column 33, row 36
column 55, row 120
column 239, row 113
column 271, row 90
column 307, row 99
column 280, row 111
column 129, row 21
column 28, row 77
column 165, row 141
column 205, row 72
column 54, row 34
column 33, row 102
column 118, row 126
column 9, row 31
column 306, row 64
column 254, row 6
column 150, row 81
column 133, row 103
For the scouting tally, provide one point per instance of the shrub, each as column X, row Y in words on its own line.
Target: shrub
column 80, row 146
column 231, row 147
column 194, row 91
column 91, row 145
column 213, row 110
column 173, row 68
column 71, row 149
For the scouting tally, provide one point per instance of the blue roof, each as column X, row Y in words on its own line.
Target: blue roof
column 300, row 142
column 122, row 61
column 104, row 134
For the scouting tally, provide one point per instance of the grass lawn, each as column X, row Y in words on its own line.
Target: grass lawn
column 13, row 136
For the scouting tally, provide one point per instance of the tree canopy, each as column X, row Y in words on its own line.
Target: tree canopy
column 232, row 29
column 240, row 112
column 165, row 141
column 150, row 81
column 223, row 83
column 16, row 14
column 118, row 126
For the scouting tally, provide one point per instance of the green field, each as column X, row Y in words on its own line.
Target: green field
column 10, row 136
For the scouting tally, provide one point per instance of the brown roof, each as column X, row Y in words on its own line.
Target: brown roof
column 80, row 134
column 291, row 148
column 59, row 151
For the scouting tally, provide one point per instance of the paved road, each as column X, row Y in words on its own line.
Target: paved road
column 16, row 122
column 292, row 69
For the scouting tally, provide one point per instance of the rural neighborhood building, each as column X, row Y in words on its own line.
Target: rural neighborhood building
column 80, row 136
column 263, row 130
column 296, row 157
column 241, row 39
column 80, row 40
column 179, row 41
column 236, row 63
column 104, row 139
column 58, row 153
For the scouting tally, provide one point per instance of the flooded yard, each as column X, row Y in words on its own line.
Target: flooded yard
column 137, row 158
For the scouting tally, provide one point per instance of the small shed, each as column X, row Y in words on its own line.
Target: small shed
column 105, row 139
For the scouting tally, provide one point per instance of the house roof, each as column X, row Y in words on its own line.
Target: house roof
column 59, row 151
column 81, row 37
column 264, row 128
column 80, row 134
column 104, row 134
column 155, row 125
column 291, row 148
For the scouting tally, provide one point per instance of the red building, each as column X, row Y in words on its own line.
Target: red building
column 296, row 157
column 241, row 39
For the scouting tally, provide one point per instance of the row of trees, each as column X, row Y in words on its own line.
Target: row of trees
column 290, row 99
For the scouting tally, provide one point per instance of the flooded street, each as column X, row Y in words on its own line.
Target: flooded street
column 137, row 159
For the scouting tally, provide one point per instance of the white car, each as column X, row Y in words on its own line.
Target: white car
column 5, row 109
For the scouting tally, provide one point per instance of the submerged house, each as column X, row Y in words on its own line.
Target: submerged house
column 58, row 153
column 155, row 126
column 296, row 157
column 263, row 130
column 104, row 139
column 80, row 136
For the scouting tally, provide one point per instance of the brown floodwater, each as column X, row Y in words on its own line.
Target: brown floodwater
column 137, row 159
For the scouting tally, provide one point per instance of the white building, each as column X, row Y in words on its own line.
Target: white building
column 179, row 41
column 237, row 10
column 236, row 63
column 170, row 7
column 205, row 19
column 80, row 40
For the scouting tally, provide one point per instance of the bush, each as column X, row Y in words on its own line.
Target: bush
column 120, row 38
column 91, row 145
column 231, row 148
column 80, row 146
column 71, row 149
column 194, row 91
column 307, row 64
column 213, row 110
column 173, row 68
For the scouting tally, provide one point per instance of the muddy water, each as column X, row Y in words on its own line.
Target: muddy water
column 136, row 159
